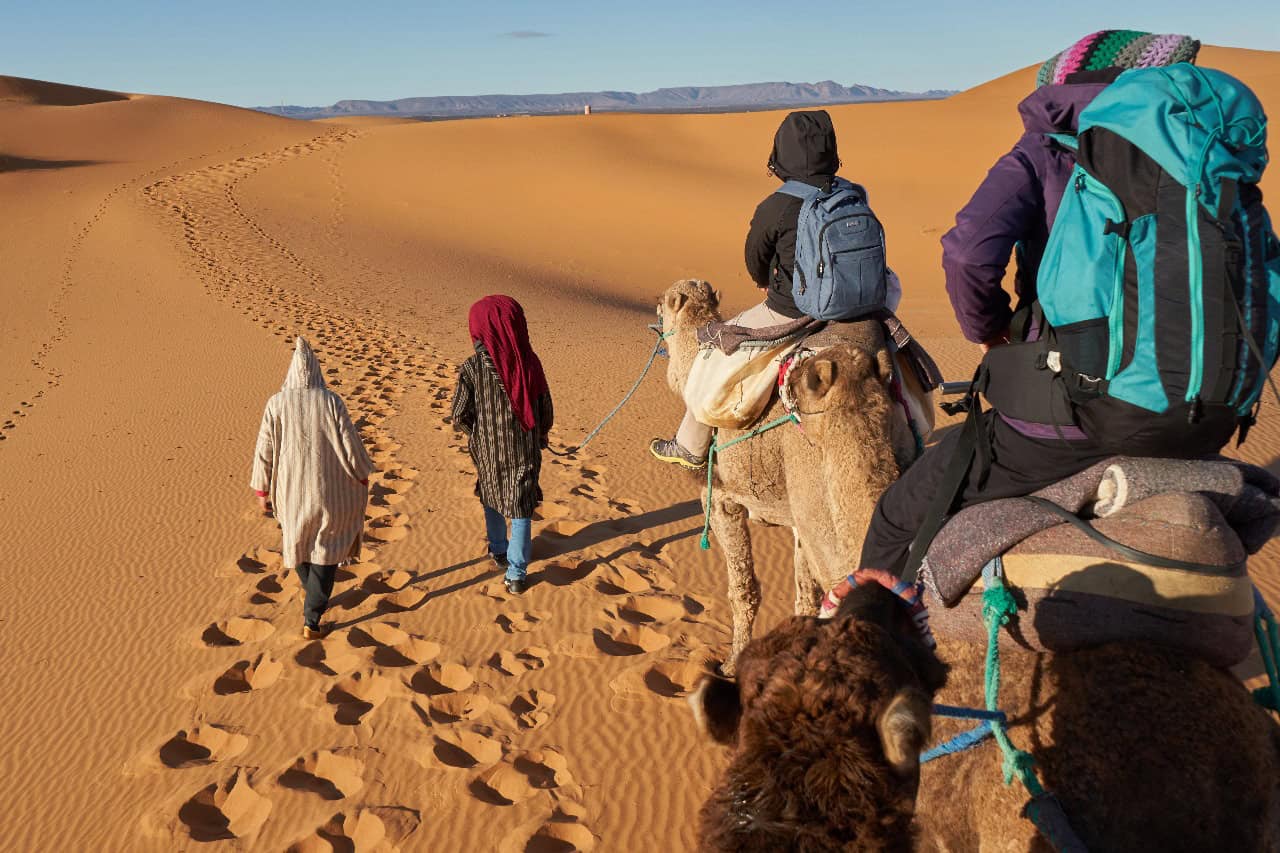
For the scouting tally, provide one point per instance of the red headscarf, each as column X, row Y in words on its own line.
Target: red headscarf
column 498, row 323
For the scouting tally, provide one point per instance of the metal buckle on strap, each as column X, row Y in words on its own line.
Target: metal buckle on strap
column 1052, row 360
column 1089, row 384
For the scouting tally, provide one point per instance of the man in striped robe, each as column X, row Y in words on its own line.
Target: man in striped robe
column 312, row 465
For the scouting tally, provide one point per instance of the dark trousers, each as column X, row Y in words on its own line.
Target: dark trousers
column 317, row 581
column 1019, row 466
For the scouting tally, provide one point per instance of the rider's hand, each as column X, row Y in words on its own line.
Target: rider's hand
column 265, row 503
column 995, row 341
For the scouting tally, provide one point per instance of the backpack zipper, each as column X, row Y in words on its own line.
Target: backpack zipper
column 823, row 233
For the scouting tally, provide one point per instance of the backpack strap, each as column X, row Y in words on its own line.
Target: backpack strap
column 1065, row 141
column 799, row 190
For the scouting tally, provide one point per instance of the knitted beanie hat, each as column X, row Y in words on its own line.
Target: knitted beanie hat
column 1118, row 49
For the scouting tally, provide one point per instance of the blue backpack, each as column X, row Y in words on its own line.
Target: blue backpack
column 840, row 271
column 1159, row 289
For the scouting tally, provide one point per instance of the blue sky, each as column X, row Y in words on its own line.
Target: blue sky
column 272, row 52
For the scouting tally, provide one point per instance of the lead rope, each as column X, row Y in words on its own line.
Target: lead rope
column 716, row 447
column 657, row 349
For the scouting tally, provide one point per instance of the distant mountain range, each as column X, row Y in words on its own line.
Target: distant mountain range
column 749, row 96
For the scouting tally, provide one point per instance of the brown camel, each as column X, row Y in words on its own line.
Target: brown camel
column 1145, row 748
column 821, row 480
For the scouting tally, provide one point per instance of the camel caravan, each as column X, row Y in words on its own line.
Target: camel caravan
column 1020, row 634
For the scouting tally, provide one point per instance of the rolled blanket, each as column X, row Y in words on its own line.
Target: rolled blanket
column 1246, row 496
column 728, row 337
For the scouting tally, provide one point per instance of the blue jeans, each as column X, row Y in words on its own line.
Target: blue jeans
column 516, row 548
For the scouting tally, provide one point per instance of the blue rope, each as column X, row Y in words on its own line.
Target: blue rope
column 959, row 713
column 965, row 740
column 657, row 348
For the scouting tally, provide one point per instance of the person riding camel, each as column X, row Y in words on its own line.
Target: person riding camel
column 804, row 151
column 1012, row 213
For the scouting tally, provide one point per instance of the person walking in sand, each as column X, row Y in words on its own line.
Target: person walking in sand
column 503, row 404
column 310, row 467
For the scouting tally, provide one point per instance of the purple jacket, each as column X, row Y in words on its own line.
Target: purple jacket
column 1015, row 204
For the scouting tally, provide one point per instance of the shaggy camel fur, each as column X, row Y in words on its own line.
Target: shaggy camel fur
column 1145, row 748
column 822, row 480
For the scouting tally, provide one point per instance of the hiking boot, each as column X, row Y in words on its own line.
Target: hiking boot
column 316, row 633
column 516, row 586
column 499, row 560
column 669, row 450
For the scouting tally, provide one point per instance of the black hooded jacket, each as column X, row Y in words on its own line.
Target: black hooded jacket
column 804, row 149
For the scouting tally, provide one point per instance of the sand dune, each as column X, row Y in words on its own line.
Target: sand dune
column 160, row 255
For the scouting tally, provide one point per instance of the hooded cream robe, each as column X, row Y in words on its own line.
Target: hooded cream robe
column 311, row 460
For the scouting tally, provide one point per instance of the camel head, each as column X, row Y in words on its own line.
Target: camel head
column 826, row 721
column 842, row 397
column 685, row 307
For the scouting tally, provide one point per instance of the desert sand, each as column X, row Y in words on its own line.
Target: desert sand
column 160, row 255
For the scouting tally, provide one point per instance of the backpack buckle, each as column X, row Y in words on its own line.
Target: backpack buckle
column 1051, row 360
column 1089, row 384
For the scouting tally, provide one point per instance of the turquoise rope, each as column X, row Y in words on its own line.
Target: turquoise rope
column 998, row 605
column 705, row 542
column 1268, row 637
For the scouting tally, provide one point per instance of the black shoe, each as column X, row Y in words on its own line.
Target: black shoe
column 499, row 560
column 517, row 586
column 669, row 450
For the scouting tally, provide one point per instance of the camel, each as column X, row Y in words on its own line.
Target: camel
column 1145, row 748
column 822, row 480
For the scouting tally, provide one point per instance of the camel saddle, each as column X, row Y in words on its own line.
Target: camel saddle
column 738, row 370
column 1168, row 569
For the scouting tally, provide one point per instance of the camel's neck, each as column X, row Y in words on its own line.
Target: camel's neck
column 682, row 347
column 750, row 810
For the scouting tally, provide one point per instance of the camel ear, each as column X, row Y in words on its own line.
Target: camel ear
column 676, row 301
column 884, row 364
column 905, row 728
column 715, row 298
column 817, row 379
column 717, row 708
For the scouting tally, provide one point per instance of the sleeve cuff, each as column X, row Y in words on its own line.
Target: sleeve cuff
column 260, row 493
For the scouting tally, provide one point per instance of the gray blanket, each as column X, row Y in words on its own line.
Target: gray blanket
column 1247, row 496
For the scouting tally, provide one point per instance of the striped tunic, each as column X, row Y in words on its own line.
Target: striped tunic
column 310, row 459
column 508, row 458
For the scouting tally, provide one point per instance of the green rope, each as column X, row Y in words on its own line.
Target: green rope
column 705, row 542
column 998, row 605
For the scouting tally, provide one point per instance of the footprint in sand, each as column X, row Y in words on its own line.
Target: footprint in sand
column 371, row 830
column 388, row 581
column 257, row 561
column 447, row 708
column 225, row 810
column 657, row 609
column 520, row 622
column 237, row 631
column 389, row 528
column 354, row 697
column 202, row 745
column 629, row 640
column 506, row 783
column 532, row 709
column 620, row 580
column 518, row 663
column 465, row 748
column 333, row 774
column 563, row 831
column 670, row 679
column 560, row 574
column 410, row 598
column 253, row 674
column 327, row 658
column 436, row 679
column 272, row 589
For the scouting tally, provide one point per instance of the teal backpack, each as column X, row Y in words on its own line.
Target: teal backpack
column 1159, row 289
